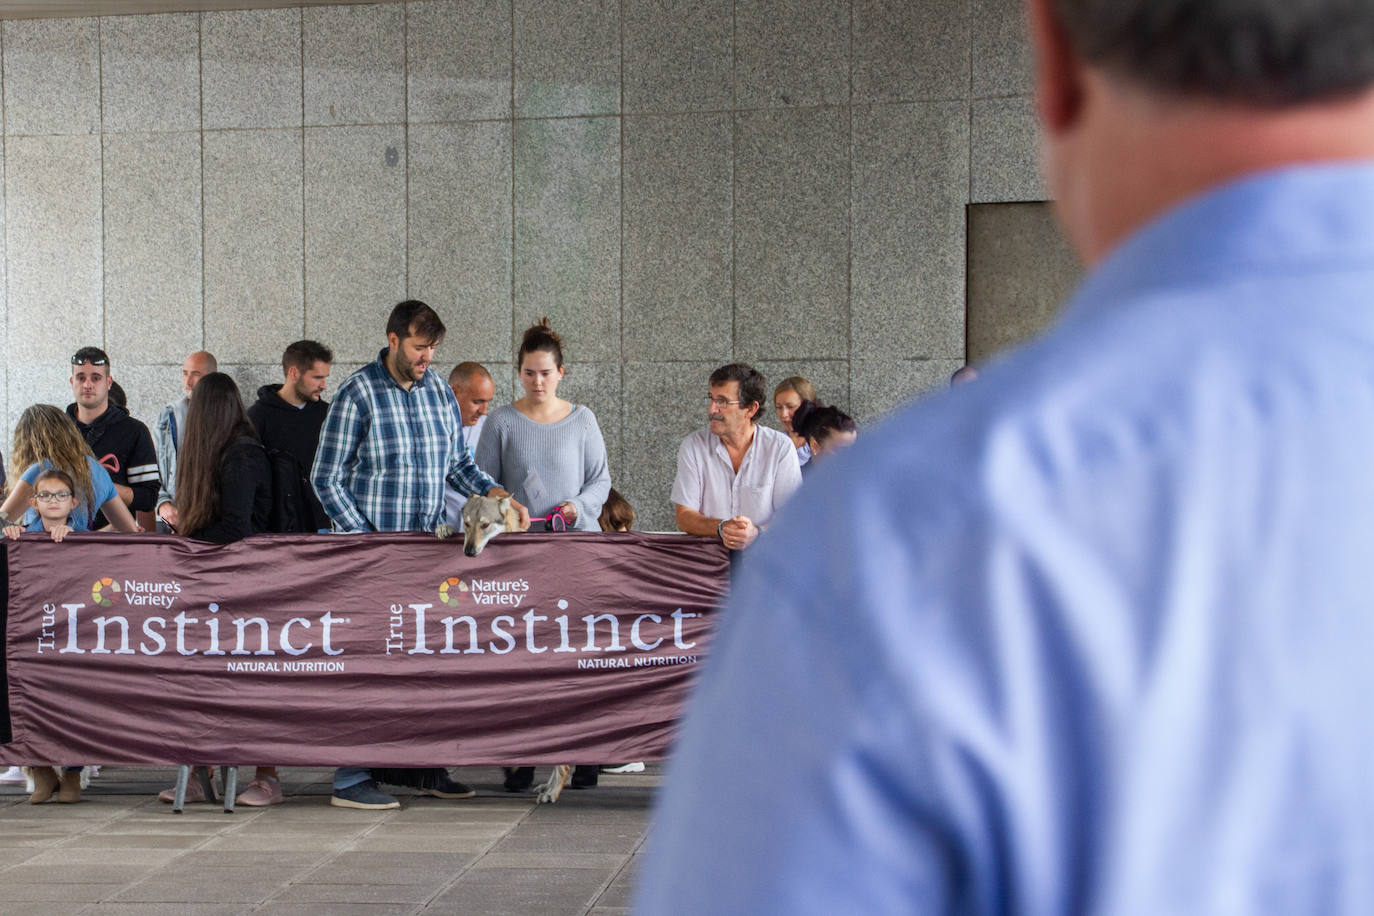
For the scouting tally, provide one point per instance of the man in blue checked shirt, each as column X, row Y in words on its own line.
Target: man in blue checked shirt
column 1093, row 634
column 391, row 440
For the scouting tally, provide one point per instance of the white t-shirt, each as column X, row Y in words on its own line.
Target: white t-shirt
column 707, row 482
column 453, row 500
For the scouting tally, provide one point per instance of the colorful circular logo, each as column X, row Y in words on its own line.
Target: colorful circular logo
column 102, row 589
column 452, row 590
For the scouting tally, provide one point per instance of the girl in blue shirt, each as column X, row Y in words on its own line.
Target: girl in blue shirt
column 45, row 438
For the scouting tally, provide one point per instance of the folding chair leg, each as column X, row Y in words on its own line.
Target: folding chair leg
column 229, row 777
column 179, row 796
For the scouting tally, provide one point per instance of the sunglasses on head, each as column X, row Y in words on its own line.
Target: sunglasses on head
column 79, row 359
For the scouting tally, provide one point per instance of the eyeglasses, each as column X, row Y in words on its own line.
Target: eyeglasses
column 43, row 496
column 721, row 403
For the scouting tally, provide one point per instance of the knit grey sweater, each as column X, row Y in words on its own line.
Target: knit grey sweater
column 569, row 458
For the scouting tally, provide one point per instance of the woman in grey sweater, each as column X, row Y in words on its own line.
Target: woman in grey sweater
column 547, row 451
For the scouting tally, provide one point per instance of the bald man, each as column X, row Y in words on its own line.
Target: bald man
column 474, row 389
column 1093, row 634
column 170, row 425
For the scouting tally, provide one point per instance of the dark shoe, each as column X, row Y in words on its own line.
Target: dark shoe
column 584, row 776
column 519, row 779
column 364, row 795
column 444, row 787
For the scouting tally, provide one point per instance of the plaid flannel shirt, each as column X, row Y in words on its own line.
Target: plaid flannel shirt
column 385, row 453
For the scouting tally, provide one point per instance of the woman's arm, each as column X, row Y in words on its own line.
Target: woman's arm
column 118, row 515
column 14, row 506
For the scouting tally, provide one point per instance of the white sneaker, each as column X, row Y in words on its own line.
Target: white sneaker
column 93, row 770
column 12, row 777
column 624, row 768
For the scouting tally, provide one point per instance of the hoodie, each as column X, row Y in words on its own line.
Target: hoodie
column 295, row 431
column 123, row 447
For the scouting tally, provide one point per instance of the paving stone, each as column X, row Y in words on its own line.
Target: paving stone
column 195, row 890
column 53, row 891
column 549, row 857
column 86, row 874
column 355, row 893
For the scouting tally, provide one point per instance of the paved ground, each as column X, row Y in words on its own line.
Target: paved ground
column 120, row 851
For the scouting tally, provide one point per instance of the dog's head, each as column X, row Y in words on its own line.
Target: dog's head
column 483, row 519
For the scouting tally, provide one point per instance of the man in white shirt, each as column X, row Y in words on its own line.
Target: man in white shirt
column 474, row 389
column 733, row 476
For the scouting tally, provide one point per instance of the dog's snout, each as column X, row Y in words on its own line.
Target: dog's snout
column 470, row 551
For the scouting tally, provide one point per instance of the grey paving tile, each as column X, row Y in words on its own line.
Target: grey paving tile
column 549, row 855
column 333, row 909
column 131, row 841
column 597, row 846
column 163, row 909
column 438, row 861
column 111, row 854
column 1001, row 51
column 86, row 874
column 355, row 893
column 55, row 891
column 380, row 872
column 1005, row 147
column 195, row 890
column 882, row 386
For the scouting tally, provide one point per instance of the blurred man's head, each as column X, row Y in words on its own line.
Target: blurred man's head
column 1145, row 103
column 199, row 364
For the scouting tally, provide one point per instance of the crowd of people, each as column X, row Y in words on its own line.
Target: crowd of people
column 214, row 471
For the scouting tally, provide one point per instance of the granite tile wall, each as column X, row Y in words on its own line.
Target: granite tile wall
column 675, row 185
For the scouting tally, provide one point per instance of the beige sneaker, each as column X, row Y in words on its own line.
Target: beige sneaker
column 261, row 793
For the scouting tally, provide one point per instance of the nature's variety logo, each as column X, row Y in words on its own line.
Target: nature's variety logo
column 452, row 590
column 101, row 590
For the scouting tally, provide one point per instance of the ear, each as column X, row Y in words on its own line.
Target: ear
column 1058, row 70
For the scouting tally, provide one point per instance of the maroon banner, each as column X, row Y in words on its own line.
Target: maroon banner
column 366, row 650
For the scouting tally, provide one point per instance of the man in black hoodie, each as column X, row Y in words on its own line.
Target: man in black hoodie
column 120, row 443
column 289, row 418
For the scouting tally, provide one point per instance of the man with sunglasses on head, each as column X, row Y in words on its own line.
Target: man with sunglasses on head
column 120, row 443
column 733, row 476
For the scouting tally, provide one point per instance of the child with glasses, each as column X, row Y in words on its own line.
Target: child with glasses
column 54, row 499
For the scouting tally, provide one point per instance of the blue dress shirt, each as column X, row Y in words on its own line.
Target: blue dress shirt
column 1093, row 634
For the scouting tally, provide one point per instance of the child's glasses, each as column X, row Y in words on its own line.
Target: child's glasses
column 44, row 496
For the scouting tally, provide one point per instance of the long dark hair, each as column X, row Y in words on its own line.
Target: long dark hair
column 214, row 419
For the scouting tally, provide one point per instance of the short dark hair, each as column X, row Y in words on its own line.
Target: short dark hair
column 414, row 318
column 816, row 421
column 93, row 355
column 752, row 388
column 303, row 354
column 1256, row 52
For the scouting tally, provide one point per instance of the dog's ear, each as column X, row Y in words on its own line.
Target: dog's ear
column 508, row 514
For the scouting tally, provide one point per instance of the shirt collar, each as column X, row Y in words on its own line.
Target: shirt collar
column 1252, row 225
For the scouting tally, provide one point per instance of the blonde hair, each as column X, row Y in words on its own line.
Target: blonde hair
column 46, row 433
column 796, row 383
